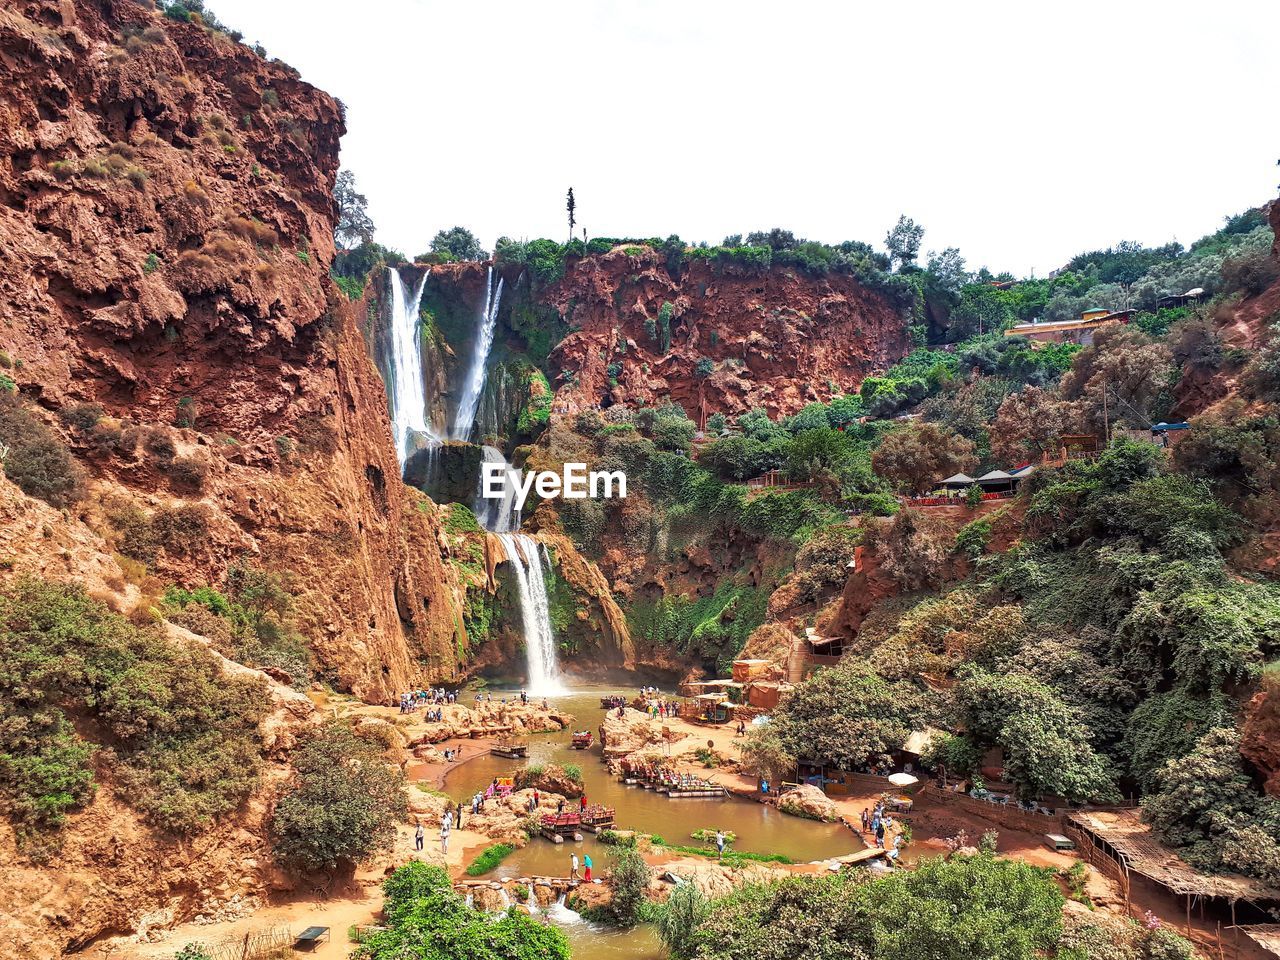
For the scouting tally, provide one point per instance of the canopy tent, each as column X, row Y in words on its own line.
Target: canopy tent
column 997, row 481
column 1161, row 427
column 957, row 482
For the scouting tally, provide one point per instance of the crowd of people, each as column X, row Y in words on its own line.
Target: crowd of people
column 877, row 825
column 412, row 700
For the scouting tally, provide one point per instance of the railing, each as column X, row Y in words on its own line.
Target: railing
column 269, row 944
column 956, row 501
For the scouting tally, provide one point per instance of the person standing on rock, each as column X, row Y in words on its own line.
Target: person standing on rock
column 444, row 835
column 573, row 870
column 586, row 867
column 719, row 844
column 418, row 835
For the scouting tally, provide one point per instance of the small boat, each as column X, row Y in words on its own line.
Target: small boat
column 512, row 751
column 582, row 739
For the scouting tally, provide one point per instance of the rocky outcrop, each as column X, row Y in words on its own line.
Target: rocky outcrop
column 809, row 802
column 166, row 227
column 715, row 337
column 715, row 879
column 1260, row 735
column 550, row 778
column 630, row 733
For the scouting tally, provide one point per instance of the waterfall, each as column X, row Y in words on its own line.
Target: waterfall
column 560, row 913
column 465, row 416
column 500, row 517
column 496, row 516
column 408, row 395
column 535, row 613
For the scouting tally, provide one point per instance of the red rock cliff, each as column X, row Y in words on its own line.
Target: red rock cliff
column 166, row 228
column 738, row 338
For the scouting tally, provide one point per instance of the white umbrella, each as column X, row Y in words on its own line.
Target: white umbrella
column 902, row 779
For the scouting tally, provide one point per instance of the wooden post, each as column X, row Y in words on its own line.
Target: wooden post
column 1188, row 915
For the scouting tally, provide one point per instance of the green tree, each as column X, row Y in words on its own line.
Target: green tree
column 765, row 754
column 1207, row 807
column 629, row 879
column 354, row 225
column 458, row 243
column 1047, row 750
column 917, row 457
column 846, row 715
column 342, row 805
column 903, row 241
column 678, row 920
column 965, row 908
column 571, row 205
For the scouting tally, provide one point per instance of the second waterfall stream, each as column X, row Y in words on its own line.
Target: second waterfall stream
column 526, row 555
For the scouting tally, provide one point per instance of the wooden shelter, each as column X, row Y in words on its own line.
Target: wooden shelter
column 1121, row 845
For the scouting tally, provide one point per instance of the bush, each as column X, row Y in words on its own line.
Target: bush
column 82, row 416
column 489, row 858
column 965, row 908
column 629, row 879
column 342, row 805
column 184, row 736
column 846, row 716
column 189, row 473
column 38, row 461
column 426, row 917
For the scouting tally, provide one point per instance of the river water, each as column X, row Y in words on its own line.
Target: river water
column 759, row 828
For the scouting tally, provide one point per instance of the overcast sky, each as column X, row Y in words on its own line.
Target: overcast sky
column 1021, row 133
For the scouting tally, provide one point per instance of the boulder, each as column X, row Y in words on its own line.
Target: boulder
column 809, row 802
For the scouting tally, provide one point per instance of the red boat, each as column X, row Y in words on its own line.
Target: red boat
column 582, row 739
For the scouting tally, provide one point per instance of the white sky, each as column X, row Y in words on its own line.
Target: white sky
column 1021, row 132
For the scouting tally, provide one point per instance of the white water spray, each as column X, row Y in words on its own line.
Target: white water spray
column 560, row 913
column 496, row 516
column 408, row 396
column 500, row 516
column 526, row 557
column 465, row 416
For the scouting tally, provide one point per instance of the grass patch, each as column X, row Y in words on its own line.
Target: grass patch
column 489, row 858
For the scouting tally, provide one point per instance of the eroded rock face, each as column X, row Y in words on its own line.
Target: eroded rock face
column 776, row 339
column 167, row 233
column 1260, row 735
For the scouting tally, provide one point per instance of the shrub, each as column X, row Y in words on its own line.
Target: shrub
column 157, row 442
column 630, row 879
column 489, row 858
column 82, row 416
column 189, row 473
column 38, row 461
column 424, row 913
column 342, row 805
column 183, row 736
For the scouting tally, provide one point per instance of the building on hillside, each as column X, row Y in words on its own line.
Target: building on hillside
column 1070, row 331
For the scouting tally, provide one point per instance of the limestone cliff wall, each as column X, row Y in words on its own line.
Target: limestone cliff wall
column 166, row 221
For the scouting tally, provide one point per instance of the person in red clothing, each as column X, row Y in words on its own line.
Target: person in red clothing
column 582, row 805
